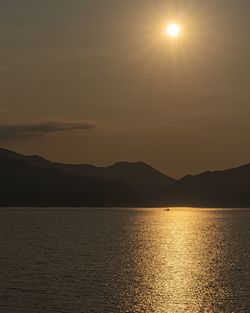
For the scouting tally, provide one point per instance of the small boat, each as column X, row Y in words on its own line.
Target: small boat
column 166, row 210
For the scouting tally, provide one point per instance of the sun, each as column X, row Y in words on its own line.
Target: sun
column 173, row 30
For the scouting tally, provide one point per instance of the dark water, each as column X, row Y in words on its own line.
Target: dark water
column 124, row 261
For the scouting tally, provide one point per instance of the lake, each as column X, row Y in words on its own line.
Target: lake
column 124, row 260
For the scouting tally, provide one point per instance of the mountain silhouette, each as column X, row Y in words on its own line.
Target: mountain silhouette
column 138, row 176
column 23, row 184
column 35, row 181
column 228, row 188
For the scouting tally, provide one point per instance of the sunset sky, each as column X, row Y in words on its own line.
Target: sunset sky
column 91, row 81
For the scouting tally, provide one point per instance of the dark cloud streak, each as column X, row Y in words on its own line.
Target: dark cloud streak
column 11, row 132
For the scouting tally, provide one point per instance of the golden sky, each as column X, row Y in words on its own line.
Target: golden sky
column 99, row 82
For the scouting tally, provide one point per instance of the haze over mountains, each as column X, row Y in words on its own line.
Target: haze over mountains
column 35, row 181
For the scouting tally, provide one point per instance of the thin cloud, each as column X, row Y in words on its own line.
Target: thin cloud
column 9, row 132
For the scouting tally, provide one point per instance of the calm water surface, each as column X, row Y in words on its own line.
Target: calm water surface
column 107, row 260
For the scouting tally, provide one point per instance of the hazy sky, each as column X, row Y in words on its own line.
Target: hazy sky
column 98, row 82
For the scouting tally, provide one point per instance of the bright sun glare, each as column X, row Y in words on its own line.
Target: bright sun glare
column 173, row 30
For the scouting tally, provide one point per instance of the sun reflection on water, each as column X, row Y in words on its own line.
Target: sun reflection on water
column 180, row 263
column 125, row 261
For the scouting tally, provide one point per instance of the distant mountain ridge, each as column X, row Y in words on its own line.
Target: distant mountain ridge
column 228, row 188
column 23, row 184
column 35, row 181
column 137, row 175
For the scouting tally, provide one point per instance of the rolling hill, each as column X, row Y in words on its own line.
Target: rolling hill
column 35, row 181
